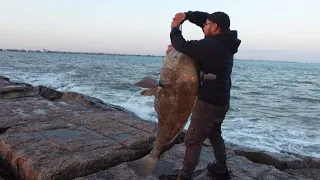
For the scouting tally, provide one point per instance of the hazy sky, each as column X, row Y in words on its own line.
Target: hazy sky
column 269, row 30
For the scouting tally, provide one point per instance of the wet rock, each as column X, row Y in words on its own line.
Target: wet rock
column 11, row 89
column 292, row 164
column 120, row 172
column 4, row 78
column 23, row 84
column 94, row 102
column 171, row 161
column 73, row 144
column 73, row 96
column 4, row 84
column 263, row 158
column 64, row 139
column 295, row 164
column 240, row 167
column 15, row 90
column 281, row 162
column 21, row 111
column 64, row 150
column 310, row 162
column 305, row 173
column 48, row 93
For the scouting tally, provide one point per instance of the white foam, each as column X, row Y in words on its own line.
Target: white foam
column 142, row 106
column 270, row 137
column 53, row 80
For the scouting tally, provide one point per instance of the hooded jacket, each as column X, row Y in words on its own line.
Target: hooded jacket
column 214, row 55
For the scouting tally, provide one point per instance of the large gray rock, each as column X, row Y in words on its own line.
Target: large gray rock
column 4, row 78
column 64, row 139
column 171, row 162
column 305, row 172
column 10, row 90
column 263, row 158
column 18, row 92
column 77, row 144
column 49, row 93
column 120, row 172
column 93, row 102
column 281, row 162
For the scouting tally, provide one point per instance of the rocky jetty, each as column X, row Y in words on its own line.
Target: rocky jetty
column 47, row 134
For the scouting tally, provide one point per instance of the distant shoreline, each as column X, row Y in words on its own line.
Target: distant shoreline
column 138, row 55
column 70, row 52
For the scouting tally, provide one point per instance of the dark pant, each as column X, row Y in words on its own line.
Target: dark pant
column 205, row 123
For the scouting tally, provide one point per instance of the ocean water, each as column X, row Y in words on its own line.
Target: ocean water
column 275, row 106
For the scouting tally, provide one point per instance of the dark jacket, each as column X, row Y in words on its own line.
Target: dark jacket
column 214, row 55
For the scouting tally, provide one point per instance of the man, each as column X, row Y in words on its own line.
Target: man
column 214, row 55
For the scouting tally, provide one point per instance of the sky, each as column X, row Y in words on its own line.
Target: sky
column 279, row 30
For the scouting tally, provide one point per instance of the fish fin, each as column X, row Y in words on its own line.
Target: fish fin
column 143, row 167
column 149, row 92
column 147, row 83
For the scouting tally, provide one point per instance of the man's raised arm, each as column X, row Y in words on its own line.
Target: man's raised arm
column 196, row 17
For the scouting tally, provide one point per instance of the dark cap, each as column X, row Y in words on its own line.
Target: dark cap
column 220, row 18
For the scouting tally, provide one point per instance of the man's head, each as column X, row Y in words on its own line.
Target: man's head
column 216, row 23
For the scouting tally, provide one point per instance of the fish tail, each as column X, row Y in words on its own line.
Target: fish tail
column 143, row 167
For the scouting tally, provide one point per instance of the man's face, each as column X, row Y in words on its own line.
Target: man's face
column 209, row 28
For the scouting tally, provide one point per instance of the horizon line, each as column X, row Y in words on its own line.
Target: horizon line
column 125, row 54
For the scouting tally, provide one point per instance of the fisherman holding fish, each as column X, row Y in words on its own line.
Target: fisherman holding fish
column 214, row 55
column 180, row 92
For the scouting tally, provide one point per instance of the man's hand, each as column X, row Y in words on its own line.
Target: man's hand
column 175, row 23
column 170, row 47
column 181, row 16
column 178, row 19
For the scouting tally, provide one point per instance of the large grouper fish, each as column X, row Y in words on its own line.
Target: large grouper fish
column 175, row 95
